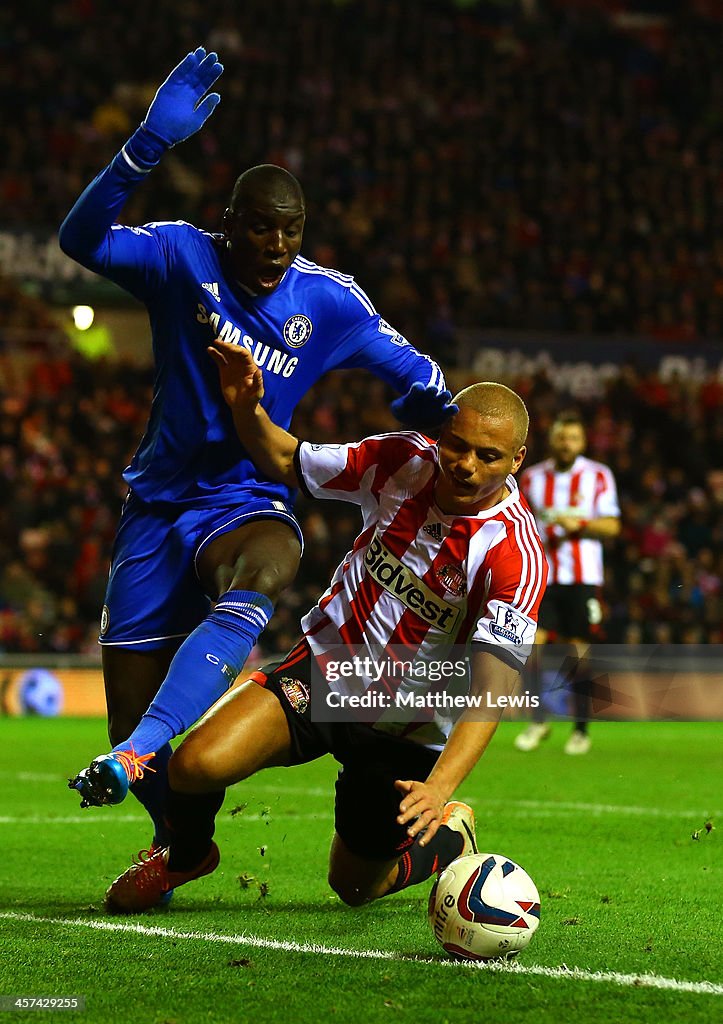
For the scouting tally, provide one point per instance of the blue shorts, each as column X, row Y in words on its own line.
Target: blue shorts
column 154, row 595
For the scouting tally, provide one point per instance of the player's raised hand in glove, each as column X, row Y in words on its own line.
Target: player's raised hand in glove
column 180, row 107
column 242, row 382
column 423, row 407
column 272, row 448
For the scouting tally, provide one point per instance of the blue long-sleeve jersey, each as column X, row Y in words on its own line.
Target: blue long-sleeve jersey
column 314, row 321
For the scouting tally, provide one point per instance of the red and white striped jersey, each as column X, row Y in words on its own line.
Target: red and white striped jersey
column 416, row 578
column 587, row 491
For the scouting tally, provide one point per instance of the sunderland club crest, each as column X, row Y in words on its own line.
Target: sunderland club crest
column 296, row 692
column 454, row 579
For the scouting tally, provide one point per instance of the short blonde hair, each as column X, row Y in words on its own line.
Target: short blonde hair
column 498, row 402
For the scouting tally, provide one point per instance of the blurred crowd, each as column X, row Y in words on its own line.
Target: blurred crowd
column 544, row 165
column 548, row 166
column 27, row 325
column 68, row 428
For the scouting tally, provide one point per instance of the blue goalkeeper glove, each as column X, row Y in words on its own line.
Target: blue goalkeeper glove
column 423, row 407
column 180, row 106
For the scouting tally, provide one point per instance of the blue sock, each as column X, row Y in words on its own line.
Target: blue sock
column 204, row 667
column 152, row 792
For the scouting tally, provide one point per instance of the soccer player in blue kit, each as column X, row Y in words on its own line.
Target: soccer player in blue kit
column 200, row 522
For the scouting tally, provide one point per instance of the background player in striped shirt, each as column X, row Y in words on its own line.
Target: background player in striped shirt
column 576, row 505
column 201, row 521
column 448, row 559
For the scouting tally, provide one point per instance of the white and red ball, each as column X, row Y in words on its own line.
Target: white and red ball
column 484, row 907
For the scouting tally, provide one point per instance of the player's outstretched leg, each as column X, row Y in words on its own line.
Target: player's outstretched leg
column 230, row 632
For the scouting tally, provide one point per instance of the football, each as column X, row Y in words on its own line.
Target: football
column 484, row 907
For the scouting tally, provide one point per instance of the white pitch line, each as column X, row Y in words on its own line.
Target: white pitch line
column 88, row 819
column 548, row 806
column 294, row 790
column 105, row 819
column 563, row 972
column 32, row 777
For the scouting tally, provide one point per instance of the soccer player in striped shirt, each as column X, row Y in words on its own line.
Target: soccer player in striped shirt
column 201, row 520
column 448, row 559
column 576, row 505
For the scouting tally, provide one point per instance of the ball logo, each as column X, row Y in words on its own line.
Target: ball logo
column 472, row 906
column 104, row 620
column 297, row 330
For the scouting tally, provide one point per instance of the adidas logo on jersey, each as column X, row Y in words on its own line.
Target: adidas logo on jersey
column 212, row 287
column 434, row 530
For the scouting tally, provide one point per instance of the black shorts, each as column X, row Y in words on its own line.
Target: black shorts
column 367, row 804
column 571, row 611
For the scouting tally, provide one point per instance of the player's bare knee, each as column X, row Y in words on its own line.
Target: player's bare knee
column 349, row 893
column 271, row 578
column 179, row 769
column 192, row 769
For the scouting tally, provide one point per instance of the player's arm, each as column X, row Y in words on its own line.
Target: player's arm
column 179, row 108
column 423, row 803
column 271, row 447
column 366, row 341
column 501, row 644
column 602, row 528
column 604, row 523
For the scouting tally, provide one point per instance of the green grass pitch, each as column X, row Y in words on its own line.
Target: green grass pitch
column 625, row 891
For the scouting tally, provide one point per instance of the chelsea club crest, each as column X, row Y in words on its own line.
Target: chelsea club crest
column 297, row 330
